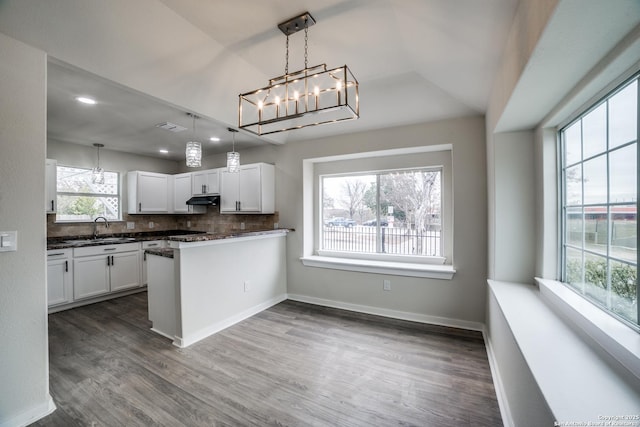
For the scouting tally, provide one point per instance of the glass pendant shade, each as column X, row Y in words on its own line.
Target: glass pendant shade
column 194, row 154
column 233, row 161
column 97, row 175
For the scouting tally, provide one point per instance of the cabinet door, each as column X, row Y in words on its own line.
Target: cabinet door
column 51, row 186
column 181, row 192
column 59, row 286
column 250, row 188
column 90, row 276
column 213, row 181
column 125, row 270
column 206, row 182
column 153, row 192
column 152, row 244
column 229, row 193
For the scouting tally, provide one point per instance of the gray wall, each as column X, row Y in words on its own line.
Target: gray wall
column 460, row 299
column 24, row 370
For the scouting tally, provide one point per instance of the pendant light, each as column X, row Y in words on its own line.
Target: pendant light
column 233, row 157
column 193, row 151
column 97, row 174
column 312, row 96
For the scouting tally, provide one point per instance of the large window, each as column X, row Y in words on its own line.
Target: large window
column 79, row 199
column 396, row 213
column 599, row 160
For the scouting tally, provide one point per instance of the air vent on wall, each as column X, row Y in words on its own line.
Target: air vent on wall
column 171, row 127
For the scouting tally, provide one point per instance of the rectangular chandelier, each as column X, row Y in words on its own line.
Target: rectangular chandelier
column 309, row 97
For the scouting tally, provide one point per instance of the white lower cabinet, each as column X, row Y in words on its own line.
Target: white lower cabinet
column 98, row 270
column 152, row 244
column 59, row 277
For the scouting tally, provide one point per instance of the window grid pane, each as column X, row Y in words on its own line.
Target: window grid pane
column 600, row 200
column 79, row 199
column 391, row 212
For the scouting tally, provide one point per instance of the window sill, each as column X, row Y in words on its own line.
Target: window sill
column 563, row 362
column 431, row 271
column 616, row 338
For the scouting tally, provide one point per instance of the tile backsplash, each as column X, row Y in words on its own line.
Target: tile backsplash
column 211, row 221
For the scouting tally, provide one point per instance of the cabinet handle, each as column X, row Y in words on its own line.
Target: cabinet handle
column 66, row 266
column 109, row 249
column 152, row 245
column 204, row 188
column 144, row 256
column 52, row 208
column 113, row 261
column 140, row 207
column 108, row 261
column 56, row 254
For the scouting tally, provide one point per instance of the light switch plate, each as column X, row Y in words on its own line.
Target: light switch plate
column 8, row 241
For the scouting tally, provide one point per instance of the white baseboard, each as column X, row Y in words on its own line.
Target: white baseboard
column 30, row 416
column 394, row 314
column 501, row 395
column 225, row 323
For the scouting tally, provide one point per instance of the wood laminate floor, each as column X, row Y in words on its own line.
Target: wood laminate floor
column 293, row 364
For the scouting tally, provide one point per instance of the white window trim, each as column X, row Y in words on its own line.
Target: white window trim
column 364, row 263
column 431, row 271
column 620, row 340
column 118, row 194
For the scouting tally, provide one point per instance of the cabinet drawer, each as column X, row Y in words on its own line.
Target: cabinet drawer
column 105, row 249
column 59, row 254
column 154, row 244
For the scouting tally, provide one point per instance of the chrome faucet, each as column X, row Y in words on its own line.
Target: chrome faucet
column 95, row 225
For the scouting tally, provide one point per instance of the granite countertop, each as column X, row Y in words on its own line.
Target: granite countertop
column 221, row 236
column 163, row 252
column 172, row 235
column 112, row 239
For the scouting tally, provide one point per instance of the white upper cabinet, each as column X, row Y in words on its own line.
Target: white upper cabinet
column 51, row 186
column 206, row 182
column 252, row 190
column 149, row 192
column 182, row 184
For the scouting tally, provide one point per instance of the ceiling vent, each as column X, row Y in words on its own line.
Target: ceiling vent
column 172, row 127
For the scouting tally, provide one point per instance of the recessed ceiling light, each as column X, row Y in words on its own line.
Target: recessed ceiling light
column 215, row 139
column 164, row 151
column 86, row 100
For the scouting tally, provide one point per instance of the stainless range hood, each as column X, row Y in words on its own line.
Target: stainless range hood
column 204, row 200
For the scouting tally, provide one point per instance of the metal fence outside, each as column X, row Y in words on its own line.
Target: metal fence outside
column 395, row 241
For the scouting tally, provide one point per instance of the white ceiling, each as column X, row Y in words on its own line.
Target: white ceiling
column 415, row 60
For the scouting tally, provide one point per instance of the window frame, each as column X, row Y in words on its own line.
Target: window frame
column 409, row 157
column 562, row 165
column 379, row 256
column 118, row 195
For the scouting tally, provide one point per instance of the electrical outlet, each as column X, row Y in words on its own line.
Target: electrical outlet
column 188, row 224
column 131, row 225
column 247, row 286
column 276, row 225
column 386, row 285
column 151, row 224
column 242, row 226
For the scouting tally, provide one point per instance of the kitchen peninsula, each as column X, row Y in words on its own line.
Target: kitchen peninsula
column 204, row 283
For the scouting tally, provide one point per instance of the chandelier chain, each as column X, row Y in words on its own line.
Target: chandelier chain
column 306, row 41
column 286, row 66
